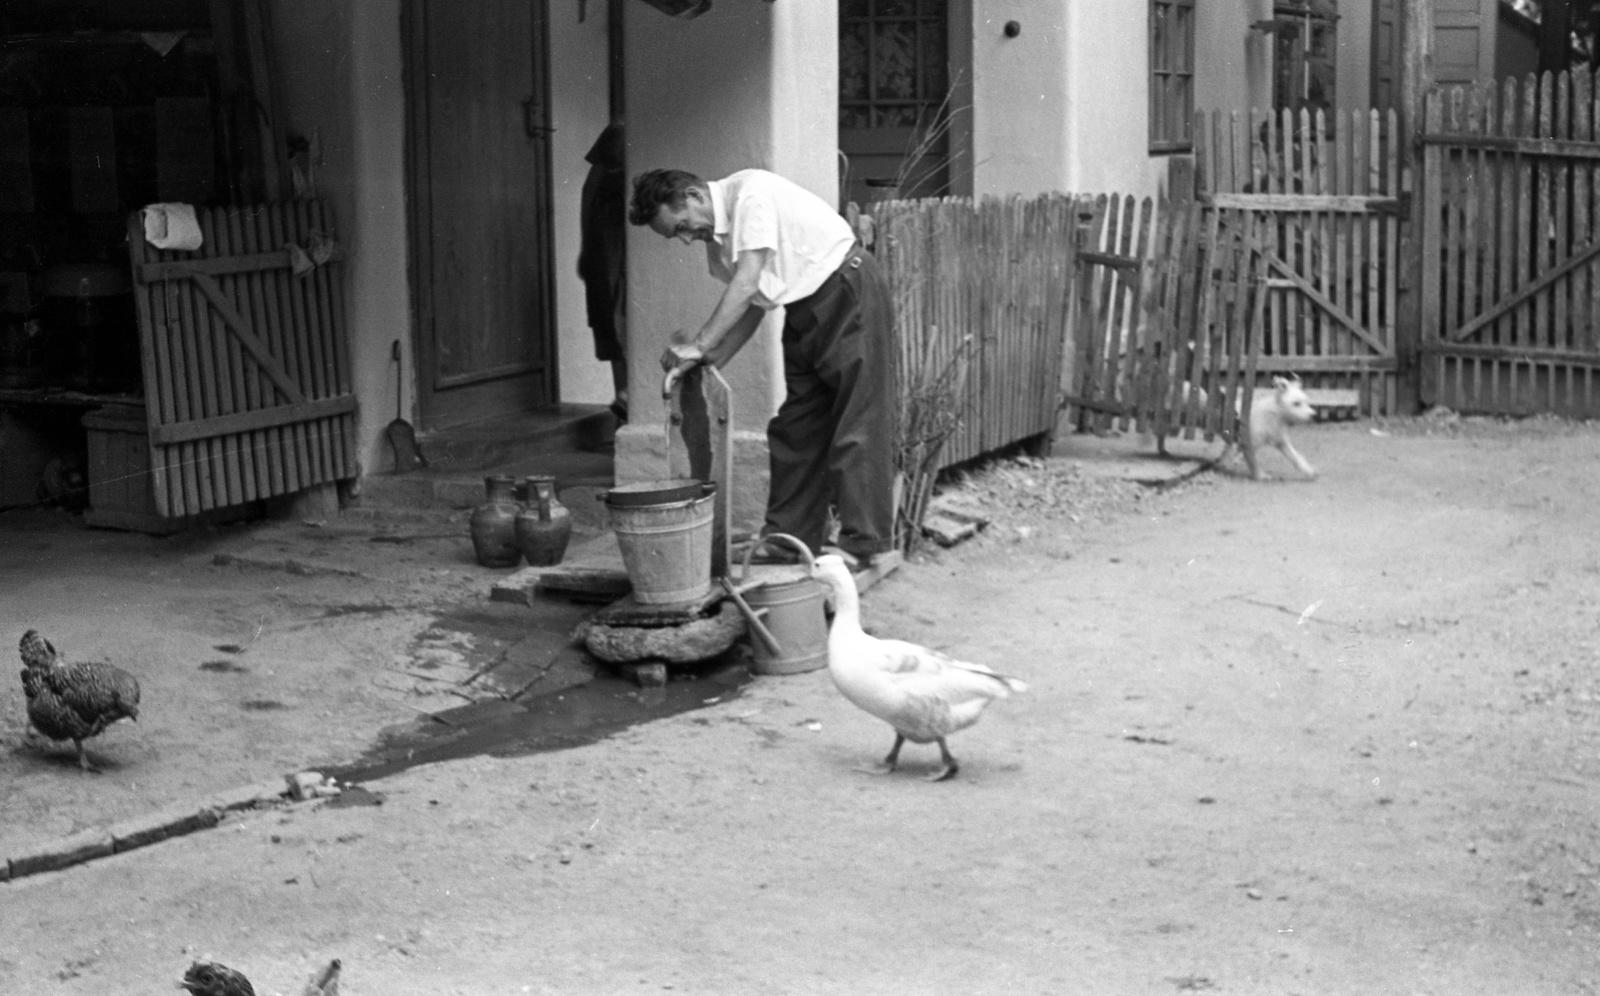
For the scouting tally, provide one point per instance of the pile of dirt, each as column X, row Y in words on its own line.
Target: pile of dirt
column 1027, row 498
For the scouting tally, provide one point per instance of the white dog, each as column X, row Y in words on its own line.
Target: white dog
column 1272, row 410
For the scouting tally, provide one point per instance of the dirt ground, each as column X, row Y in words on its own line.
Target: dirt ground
column 1281, row 737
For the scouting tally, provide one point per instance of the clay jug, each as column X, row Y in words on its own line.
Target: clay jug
column 494, row 528
column 544, row 526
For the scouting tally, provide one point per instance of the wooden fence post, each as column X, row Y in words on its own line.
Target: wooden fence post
column 1416, row 40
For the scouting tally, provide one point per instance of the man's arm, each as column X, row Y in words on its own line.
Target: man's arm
column 733, row 321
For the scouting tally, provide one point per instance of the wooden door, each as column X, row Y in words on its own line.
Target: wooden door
column 479, row 164
column 893, row 114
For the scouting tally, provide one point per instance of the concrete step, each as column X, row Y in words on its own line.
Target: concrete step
column 495, row 442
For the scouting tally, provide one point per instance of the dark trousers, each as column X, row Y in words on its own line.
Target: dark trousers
column 833, row 439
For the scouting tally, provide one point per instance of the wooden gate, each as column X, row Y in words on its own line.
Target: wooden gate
column 1511, row 246
column 1165, row 305
column 1322, row 200
column 246, row 368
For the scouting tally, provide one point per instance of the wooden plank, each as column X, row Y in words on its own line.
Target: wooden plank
column 272, row 440
column 215, row 266
column 1559, row 328
column 1294, row 203
column 242, row 330
column 1516, row 353
column 217, row 426
column 195, row 458
column 1527, row 293
column 285, row 442
column 1532, row 147
column 228, row 239
column 1453, row 196
column 1543, row 217
column 1509, row 180
column 1291, row 279
column 247, row 386
column 1527, row 205
column 216, row 386
column 298, row 437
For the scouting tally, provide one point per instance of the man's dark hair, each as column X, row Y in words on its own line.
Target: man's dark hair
column 657, row 187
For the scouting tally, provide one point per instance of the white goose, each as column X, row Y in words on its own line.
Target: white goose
column 923, row 694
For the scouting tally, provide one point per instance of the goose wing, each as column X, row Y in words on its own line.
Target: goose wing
column 913, row 662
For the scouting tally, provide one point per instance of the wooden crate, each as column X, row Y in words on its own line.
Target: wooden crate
column 121, row 495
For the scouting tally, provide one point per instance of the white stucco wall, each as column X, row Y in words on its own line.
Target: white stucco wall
column 580, row 108
column 341, row 79
column 1064, row 105
column 1019, row 120
column 341, row 68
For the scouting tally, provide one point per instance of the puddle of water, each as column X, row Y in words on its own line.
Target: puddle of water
column 571, row 717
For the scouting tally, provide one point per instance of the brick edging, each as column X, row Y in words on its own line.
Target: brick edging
column 174, row 821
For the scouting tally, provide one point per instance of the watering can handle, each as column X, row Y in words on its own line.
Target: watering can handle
column 800, row 548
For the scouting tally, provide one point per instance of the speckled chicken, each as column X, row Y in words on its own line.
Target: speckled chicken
column 210, row 978
column 74, row 701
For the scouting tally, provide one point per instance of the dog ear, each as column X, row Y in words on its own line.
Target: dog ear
column 1279, row 384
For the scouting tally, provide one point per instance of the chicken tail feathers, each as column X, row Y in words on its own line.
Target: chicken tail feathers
column 37, row 652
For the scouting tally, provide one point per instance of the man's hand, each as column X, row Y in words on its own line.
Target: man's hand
column 682, row 356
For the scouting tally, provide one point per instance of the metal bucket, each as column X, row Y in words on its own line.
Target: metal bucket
column 793, row 611
column 666, row 547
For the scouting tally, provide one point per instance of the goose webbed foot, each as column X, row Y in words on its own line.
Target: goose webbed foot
column 950, row 766
column 891, row 762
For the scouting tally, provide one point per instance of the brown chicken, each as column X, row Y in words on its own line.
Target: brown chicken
column 74, row 701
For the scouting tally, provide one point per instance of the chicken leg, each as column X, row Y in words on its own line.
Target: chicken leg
column 83, row 759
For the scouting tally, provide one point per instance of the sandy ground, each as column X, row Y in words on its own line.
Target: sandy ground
column 1281, row 737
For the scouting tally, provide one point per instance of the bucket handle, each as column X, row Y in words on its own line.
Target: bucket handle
column 800, row 548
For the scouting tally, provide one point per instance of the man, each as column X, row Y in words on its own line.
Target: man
column 601, row 210
column 776, row 244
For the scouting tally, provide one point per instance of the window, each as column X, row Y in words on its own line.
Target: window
column 1303, row 55
column 892, row 62
column 1171, row 75
column 894, row 89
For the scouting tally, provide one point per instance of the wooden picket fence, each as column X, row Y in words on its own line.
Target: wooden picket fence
column 1511, row 243
column 1167, row 323
column 1320, row 197
column 981, row 293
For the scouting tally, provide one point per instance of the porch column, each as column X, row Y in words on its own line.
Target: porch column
column 747, row 84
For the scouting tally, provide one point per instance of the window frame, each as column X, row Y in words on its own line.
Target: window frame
column 1171, row 111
